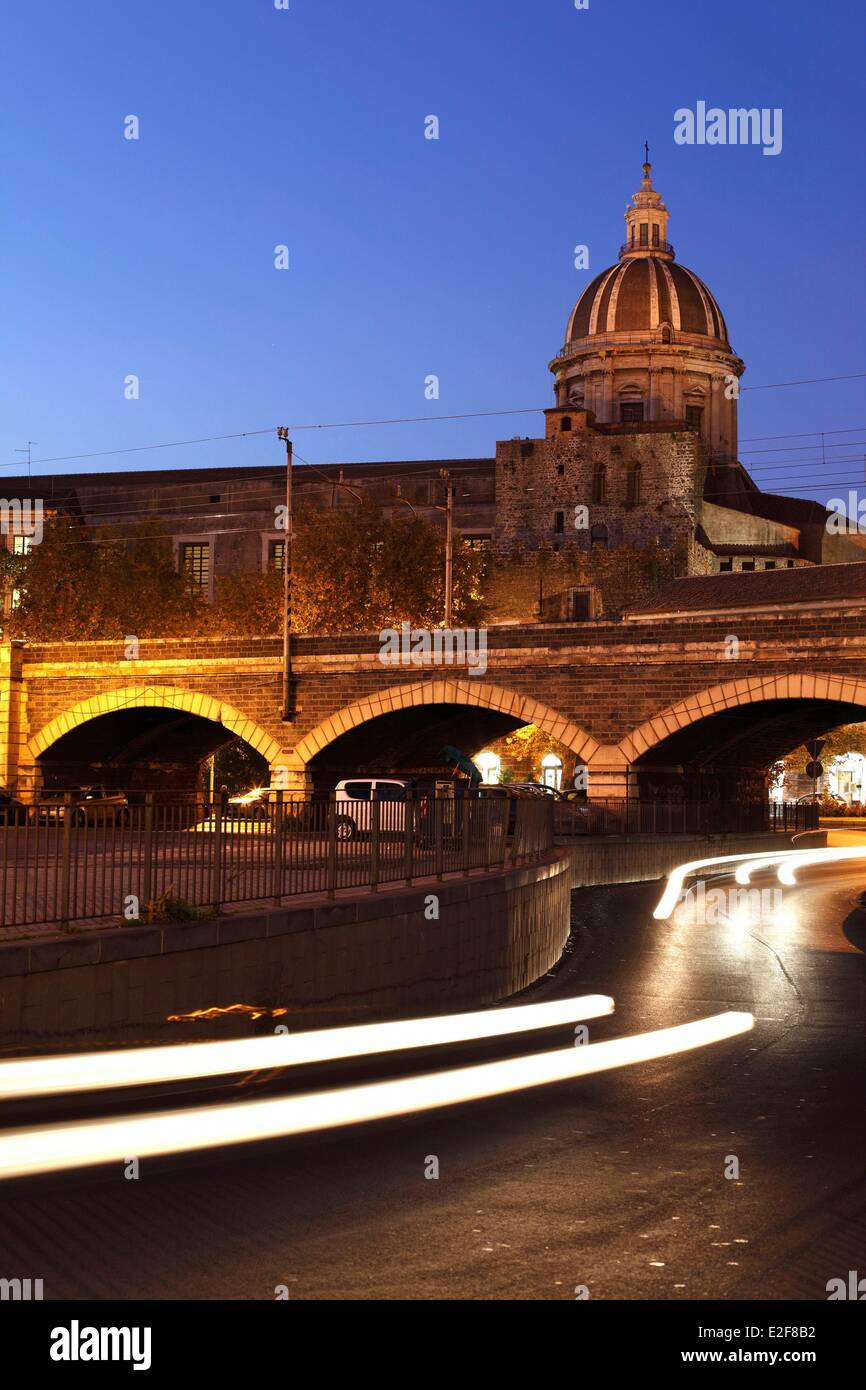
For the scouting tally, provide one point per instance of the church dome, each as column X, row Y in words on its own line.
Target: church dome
column 647, row 293
column 643, row 294
column 646, row 342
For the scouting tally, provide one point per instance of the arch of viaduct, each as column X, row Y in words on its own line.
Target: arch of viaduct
column 619, row 695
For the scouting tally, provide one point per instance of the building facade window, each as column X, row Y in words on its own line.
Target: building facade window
column 276, row 555
column 748, row 565
column 22, row 545
column 631, row 412
column 655, row 234
column 633, row 484
column 195, row 561
column 599, row 484
column 598, row 535
column 559, row 523
column 694, row 416
column 480, row 543
column 489, row 765
column 644, row 234
column 551, row 771
column 725, row 565
column 565, row 424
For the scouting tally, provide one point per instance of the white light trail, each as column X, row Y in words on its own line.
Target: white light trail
column 676, row 878
column 53, row 1148
column 145, row 1066
column 805, row 860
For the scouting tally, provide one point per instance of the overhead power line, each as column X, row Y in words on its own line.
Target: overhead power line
column 399, row 420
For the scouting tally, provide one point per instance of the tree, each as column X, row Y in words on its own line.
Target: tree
column 357, row 570
column 354, row 570
column 847, row 738
column 521, row 753
column 246, row 603
column 74, row 586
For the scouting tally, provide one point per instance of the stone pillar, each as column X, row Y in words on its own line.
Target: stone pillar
column 608, row 772
column 607, row 397
column 715, row 423
column 11, row 698
column 290, row 774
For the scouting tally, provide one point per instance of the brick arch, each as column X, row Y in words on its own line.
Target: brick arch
column 749, row 690
column 165, row 696
column 445, row 692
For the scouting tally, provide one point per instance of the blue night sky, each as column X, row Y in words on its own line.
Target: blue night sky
column 408, row 256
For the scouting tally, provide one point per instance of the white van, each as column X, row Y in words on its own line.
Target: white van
column 354, row 809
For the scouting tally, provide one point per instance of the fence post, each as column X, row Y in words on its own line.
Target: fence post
column 332, row 845
column 465, row 805
column 217, row 859
column 277, row 838
column 411, row 805
column 439, row 835
column 66, row 861
column 147, row 853
column 374, row 839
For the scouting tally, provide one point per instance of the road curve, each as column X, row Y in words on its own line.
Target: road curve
column 735, row 1172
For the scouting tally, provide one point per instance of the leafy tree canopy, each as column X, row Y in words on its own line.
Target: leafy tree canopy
column 354, row 570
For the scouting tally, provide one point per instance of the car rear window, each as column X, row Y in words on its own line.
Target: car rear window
column 391, row 791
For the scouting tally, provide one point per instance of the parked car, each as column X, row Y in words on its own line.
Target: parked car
column 354, row 811
column 828, row 799
column 537, row 789
column 12, row 811
column 251, row 805
column 92, row 805
column 501, row 791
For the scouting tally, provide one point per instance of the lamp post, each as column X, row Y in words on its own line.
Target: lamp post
column 288, row 690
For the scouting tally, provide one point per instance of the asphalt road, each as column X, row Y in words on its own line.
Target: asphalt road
column 616, row 1182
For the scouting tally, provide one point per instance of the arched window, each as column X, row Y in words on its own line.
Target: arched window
column 599, row 483
column 551, row 771
column 598, row 535
column 633, row 482
column 489, row 765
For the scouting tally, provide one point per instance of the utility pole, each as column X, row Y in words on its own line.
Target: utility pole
column 449, row 547
column 26, row 451
column 288, row 688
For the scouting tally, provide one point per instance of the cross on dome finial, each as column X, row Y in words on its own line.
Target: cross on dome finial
column 647, row 167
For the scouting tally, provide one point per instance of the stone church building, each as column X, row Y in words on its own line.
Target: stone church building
column 635, row 481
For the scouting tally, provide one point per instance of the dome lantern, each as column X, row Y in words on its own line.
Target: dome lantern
column 647, row 221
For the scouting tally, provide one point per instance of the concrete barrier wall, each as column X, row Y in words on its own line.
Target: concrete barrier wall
column 367, row 957
column 634, row 859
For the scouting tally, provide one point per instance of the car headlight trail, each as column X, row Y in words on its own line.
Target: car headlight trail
column 53, row 1148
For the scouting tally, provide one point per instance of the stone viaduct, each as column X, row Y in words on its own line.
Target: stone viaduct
column 675, row 687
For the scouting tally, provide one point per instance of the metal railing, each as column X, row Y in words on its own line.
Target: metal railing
column 69, row 861
column 664, row 246
column 629, row 816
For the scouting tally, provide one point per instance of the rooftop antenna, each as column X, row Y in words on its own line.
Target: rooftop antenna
column 26, row 451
